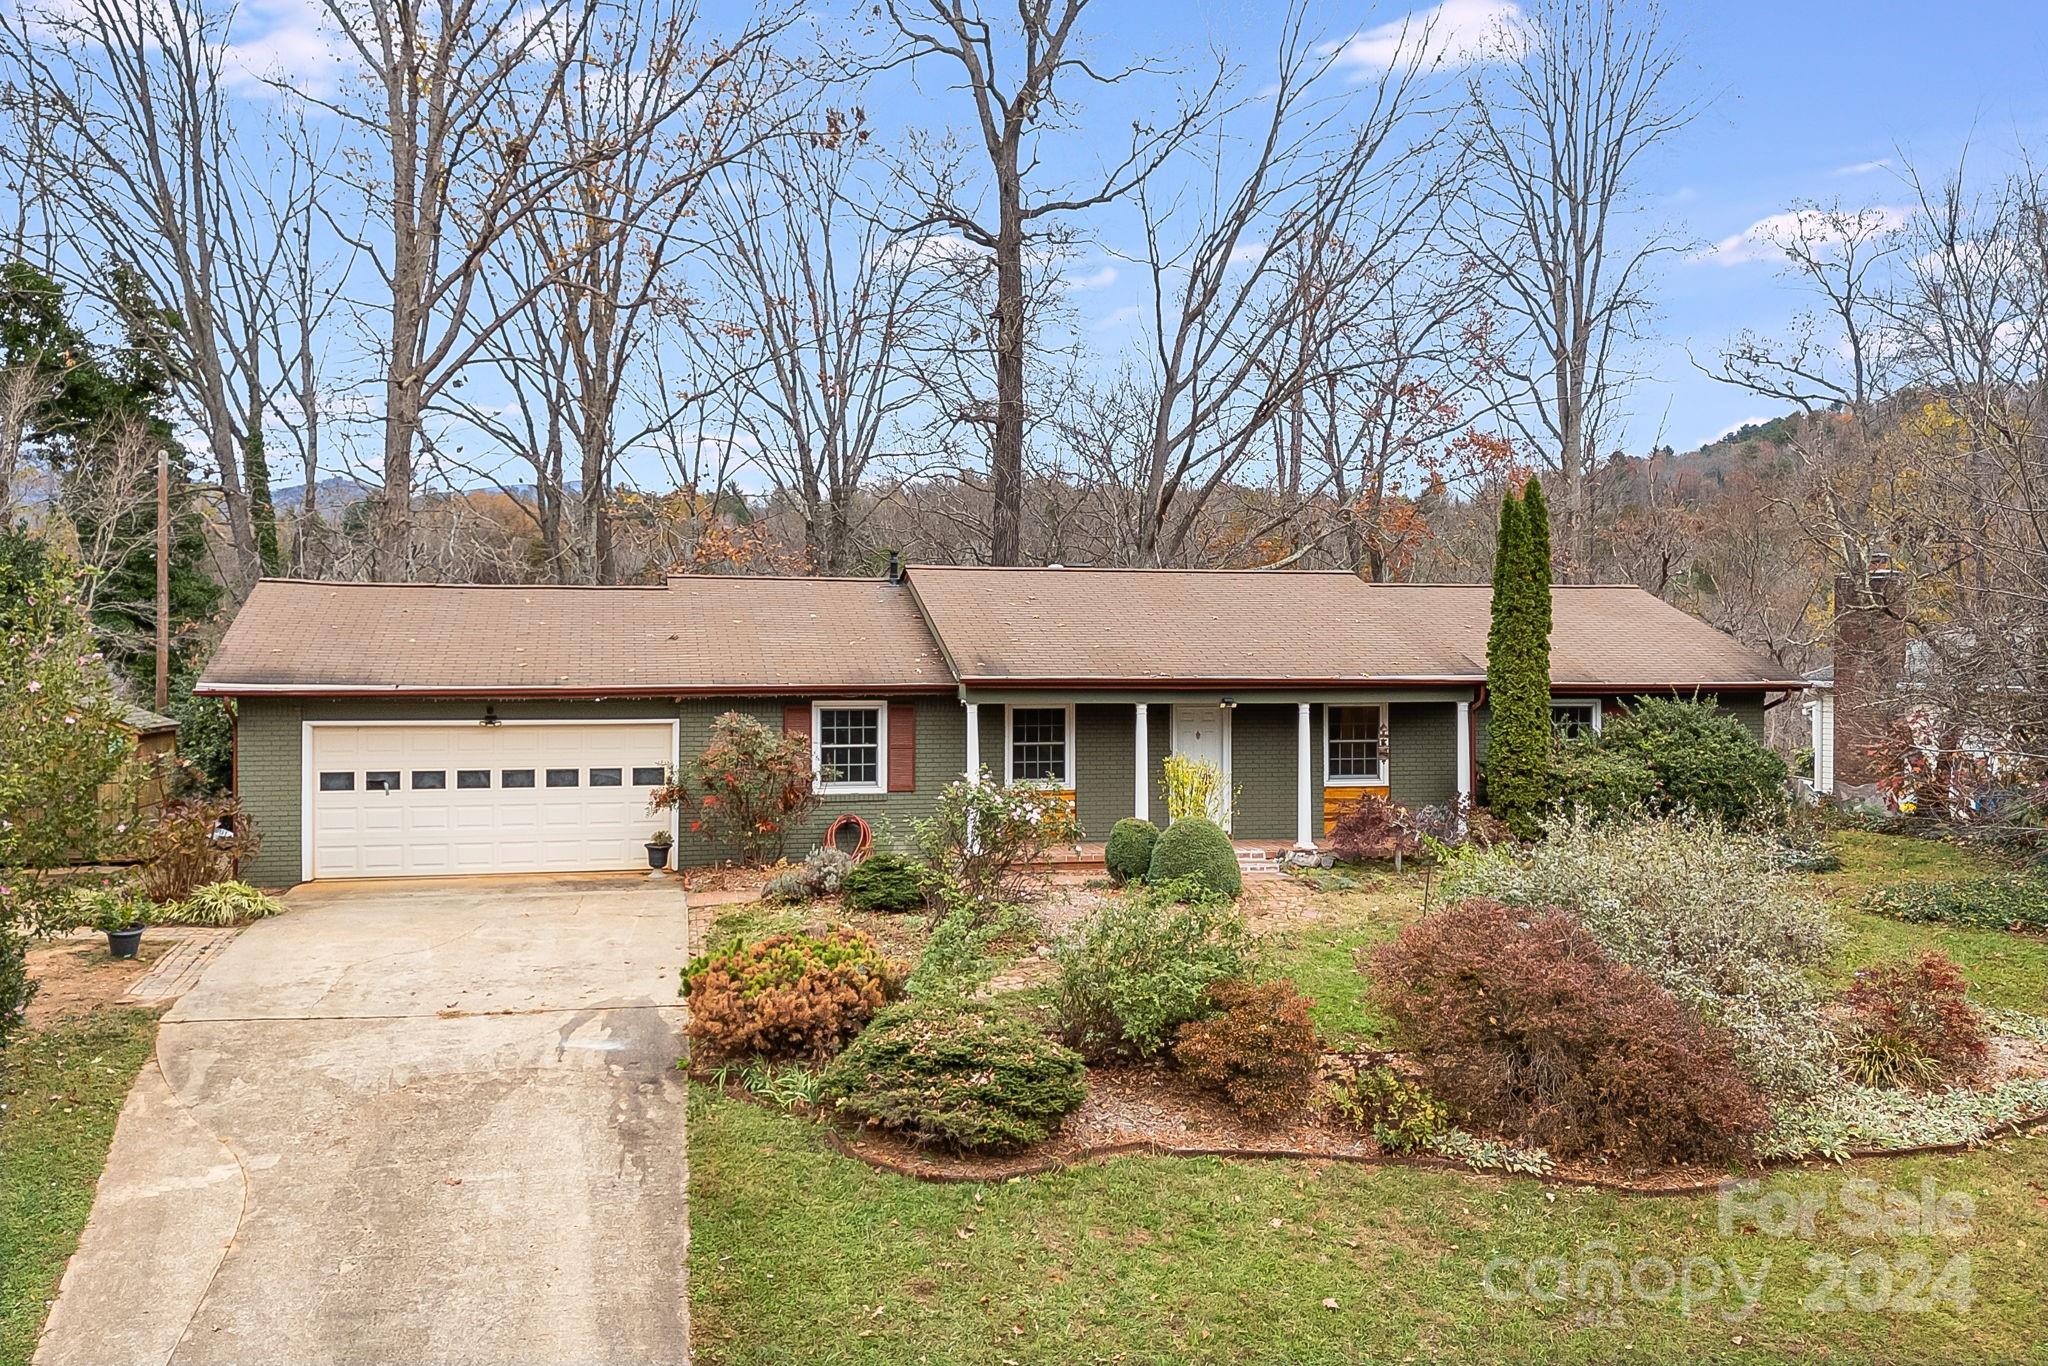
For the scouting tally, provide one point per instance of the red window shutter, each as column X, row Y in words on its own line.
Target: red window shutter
column 796, row 718
column 902, row 747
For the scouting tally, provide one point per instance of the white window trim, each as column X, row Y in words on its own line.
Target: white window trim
column 1594, row 702
column 881, row 710
column 1328, row 781
column 1065, row 784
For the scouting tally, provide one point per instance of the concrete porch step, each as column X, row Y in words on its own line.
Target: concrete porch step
column 1256, row 861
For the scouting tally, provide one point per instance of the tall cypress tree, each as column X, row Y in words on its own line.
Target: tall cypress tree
column 1518, row 675
column 1536, row 514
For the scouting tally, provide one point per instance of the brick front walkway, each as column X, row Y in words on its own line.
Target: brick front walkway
column 177, row 971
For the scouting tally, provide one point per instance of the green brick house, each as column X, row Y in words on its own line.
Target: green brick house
column 416, row 730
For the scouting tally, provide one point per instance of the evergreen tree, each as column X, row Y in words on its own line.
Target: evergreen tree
column 95, row 391
column 1536, row 514
column 1518, row 676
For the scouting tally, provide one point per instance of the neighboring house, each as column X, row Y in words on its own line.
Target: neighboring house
column 401, row 730
column 1819, row 707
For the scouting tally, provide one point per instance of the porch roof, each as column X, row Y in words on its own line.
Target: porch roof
column 1227, row 629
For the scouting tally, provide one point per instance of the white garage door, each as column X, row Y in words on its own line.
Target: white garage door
column 416, row 801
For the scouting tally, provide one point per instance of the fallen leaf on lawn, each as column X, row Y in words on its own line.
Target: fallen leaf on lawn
column 1329, row 1304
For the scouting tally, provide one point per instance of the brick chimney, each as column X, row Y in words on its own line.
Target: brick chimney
column 1870, row 667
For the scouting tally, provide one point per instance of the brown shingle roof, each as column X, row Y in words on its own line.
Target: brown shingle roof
column 695, row 634
column 1018, row 627
column 1102, row 626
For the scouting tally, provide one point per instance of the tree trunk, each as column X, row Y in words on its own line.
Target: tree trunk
column 1006, row 448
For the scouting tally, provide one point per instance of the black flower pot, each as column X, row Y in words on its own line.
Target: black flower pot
column 124, row 943
column 657, row 856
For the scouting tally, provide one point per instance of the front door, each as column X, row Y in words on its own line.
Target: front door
column 1202, row 731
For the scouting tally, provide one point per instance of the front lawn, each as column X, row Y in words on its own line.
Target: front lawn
column 61, row 1089
column 800, row 1253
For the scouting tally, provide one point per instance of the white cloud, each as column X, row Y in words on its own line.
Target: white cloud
column 1862, row 167
column 931, row 249
column 1129, row 313
column 1458, row 33
column 1095, row 279
column 1765, row 239
column 288, row 42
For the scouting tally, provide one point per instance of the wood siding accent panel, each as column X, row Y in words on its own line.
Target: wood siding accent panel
column 1338, row 801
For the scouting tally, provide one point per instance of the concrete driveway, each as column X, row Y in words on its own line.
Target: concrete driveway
column 429, row 1121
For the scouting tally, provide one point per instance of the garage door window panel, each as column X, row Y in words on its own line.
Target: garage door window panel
column 607, row 777
column 472, row 778
column 516, row 777
column 337, row 782
column 562, row 777
column 429, row 779
column 381, row 780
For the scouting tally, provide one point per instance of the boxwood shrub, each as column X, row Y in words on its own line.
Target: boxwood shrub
column 1129, row 851
column 1703, row 759
column 1195, row 848
column 885, row 882
column 961, row 1075
column 1601, row 782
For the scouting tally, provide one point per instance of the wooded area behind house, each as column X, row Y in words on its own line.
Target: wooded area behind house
column 555, row 293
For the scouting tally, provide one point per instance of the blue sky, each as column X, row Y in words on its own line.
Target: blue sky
column 1801, row 99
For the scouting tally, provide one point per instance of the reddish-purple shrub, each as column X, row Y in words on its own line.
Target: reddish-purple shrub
column 1908, row 1023
column 1374, row 828
column 1260, row 1049
column 1522, row 1023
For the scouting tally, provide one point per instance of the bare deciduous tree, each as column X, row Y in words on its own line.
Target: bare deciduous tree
column 1561, row 125
column 1016, row 97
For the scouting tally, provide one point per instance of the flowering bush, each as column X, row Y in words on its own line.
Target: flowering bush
column 1193, row 787
column 985, row 837
column 1521, row 1022
column 790, row 995
column 822, row 873
column 746, row 789
column 1703, row 909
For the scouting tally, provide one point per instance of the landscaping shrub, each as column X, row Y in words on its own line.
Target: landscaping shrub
column 965, row 1076
column 886, row 882
column 1997, row 901
column 987, row 837
column 1601, row 782
column 1259, row 1049
column 957, row 960
column 1704, row 910
column 1401, row 1116
column 1518, row 669
column 1456, row 823
column 1141, row 967
column 1198, row 849
column 1192, row 786
column 746, row 789
column 1703, row 759
column 1374, row 828
column 1129, row 851
column 790, row 995
column 219, row 903
column 1908, row 1024
column 822, row 873
column 16, row 990
column 190, row 843
column 1519, row 1020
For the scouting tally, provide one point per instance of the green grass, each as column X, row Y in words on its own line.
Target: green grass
column 62, row 1089
column 799, row 1253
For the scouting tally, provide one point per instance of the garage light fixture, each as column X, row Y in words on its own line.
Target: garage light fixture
column 491, row 714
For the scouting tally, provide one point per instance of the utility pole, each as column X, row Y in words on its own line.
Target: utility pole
column 163, row 577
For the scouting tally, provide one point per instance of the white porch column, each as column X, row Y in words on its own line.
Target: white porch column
column 1141, row 803
column 1465, row 751
column 974, row 742
column 1304, row 836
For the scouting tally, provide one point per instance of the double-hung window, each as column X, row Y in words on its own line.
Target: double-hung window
column 1351, row 750
column 849, row 746
column 1041, row 745
column 1576, row 718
